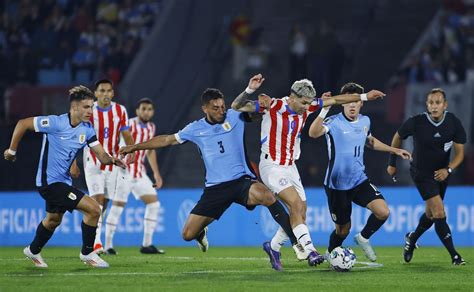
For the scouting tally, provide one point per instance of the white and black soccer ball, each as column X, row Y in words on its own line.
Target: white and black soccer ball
column 342, row 259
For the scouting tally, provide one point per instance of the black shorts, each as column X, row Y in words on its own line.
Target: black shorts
column 60, row 197
column 340, row 202
column 216, row 199
column 427, row 186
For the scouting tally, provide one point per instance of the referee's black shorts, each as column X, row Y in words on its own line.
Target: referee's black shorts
column 60, row 197
column 216, row 199
column 427, row 186
column 340, row 201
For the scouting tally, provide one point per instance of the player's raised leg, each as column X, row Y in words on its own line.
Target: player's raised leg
column 196, row 229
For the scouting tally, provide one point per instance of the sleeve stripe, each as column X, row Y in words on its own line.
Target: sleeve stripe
column 326, row 129
column 180, row 141
column 95, row 143
column 35, row 121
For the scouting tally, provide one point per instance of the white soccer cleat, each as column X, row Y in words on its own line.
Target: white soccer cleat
column 301, row 253
column 202, row 242
column 93, row 260
column 36, row 258
column 366, row 247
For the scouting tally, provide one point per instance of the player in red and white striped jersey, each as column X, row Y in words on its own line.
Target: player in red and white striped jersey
column 135, row 180
column 283, row 121
column 109, row 119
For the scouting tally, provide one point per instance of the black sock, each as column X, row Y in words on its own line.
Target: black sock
column 41, row 238
column 88, row 237
column 444, row 234
column 334, row 241
column 283, row 219
column 373, row 224
column 424, row 224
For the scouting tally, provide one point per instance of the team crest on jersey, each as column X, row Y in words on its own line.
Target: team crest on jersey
column 226, row 126
column 72, row 196
column 82, row 138
column 44, row 123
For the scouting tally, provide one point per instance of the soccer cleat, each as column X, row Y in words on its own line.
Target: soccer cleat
column 301, row 254
column 458, row 261
column 366, row 247
column 110, row 251
column 151, row 249
column 94, row 260
column 314, row 258
column 202, row 241
column 326, row 256
column 36, row 258
column 273, row 255
column 408, row 248
column 98, row 248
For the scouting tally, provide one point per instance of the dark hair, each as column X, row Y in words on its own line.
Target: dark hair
column 352, row 87
column 103, row 81
column 437, row 90
column 144, row 100
column 211, row 94
column 78, row 93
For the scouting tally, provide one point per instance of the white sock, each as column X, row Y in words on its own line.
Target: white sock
column 361, row 238
column 279, row 239
column 99, row 228
column 111, row 223
column 304, row 238
column 149, row 222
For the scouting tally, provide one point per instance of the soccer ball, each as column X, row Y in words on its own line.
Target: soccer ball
column 342, row 259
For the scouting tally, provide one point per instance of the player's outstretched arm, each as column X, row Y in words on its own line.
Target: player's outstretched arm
column 152, row 160
column 105, row 157
column 157, row 142
column 242, row 102
column 20, row 129
column 378, row 145
column 347, row 98
column 316, row 128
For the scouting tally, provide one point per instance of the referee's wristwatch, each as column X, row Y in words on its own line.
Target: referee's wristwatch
column 450, row 170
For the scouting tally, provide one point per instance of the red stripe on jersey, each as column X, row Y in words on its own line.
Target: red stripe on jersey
column 120, row 124
column 110, row 117
column 295, row 132
column 273, row 128
column 284, row 135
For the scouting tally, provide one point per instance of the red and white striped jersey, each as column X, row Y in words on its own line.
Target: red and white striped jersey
column 141, row 133
column 281, row 131
column 108, row 124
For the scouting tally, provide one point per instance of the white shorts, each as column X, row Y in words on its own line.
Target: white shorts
column 101, row 181
column 138, row 186
column 279, row 177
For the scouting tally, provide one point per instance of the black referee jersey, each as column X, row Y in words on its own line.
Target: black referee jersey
column 432, row 140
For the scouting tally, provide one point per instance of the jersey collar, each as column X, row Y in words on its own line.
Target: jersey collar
column 69, row 119
column 436, row 124
column 104, row 109
column 349, row 120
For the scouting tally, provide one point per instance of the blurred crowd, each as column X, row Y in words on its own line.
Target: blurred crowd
column 96, row 36
column 447, row 55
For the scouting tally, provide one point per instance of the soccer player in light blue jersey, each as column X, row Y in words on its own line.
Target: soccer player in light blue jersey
column 63, row 137
column 347, row 133
column 229, row 179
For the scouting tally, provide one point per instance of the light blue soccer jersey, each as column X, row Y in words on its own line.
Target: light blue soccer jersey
column 346, row 140
column 61, row 142
column 221, row 145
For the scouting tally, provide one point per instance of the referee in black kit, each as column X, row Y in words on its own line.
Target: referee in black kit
column 434, row 133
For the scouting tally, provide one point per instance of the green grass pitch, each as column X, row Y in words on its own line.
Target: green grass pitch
column 233, row 269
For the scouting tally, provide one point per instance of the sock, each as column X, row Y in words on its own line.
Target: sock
column 113, row 218
column 334, row 241
column 424, row 224
column 280, row 215
column 444, row 234
column 301, row 232
column 99, row 228
column 88, row 234
column 41, row 238
column 150, row 221
column 279, row 239
column 373, row 224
